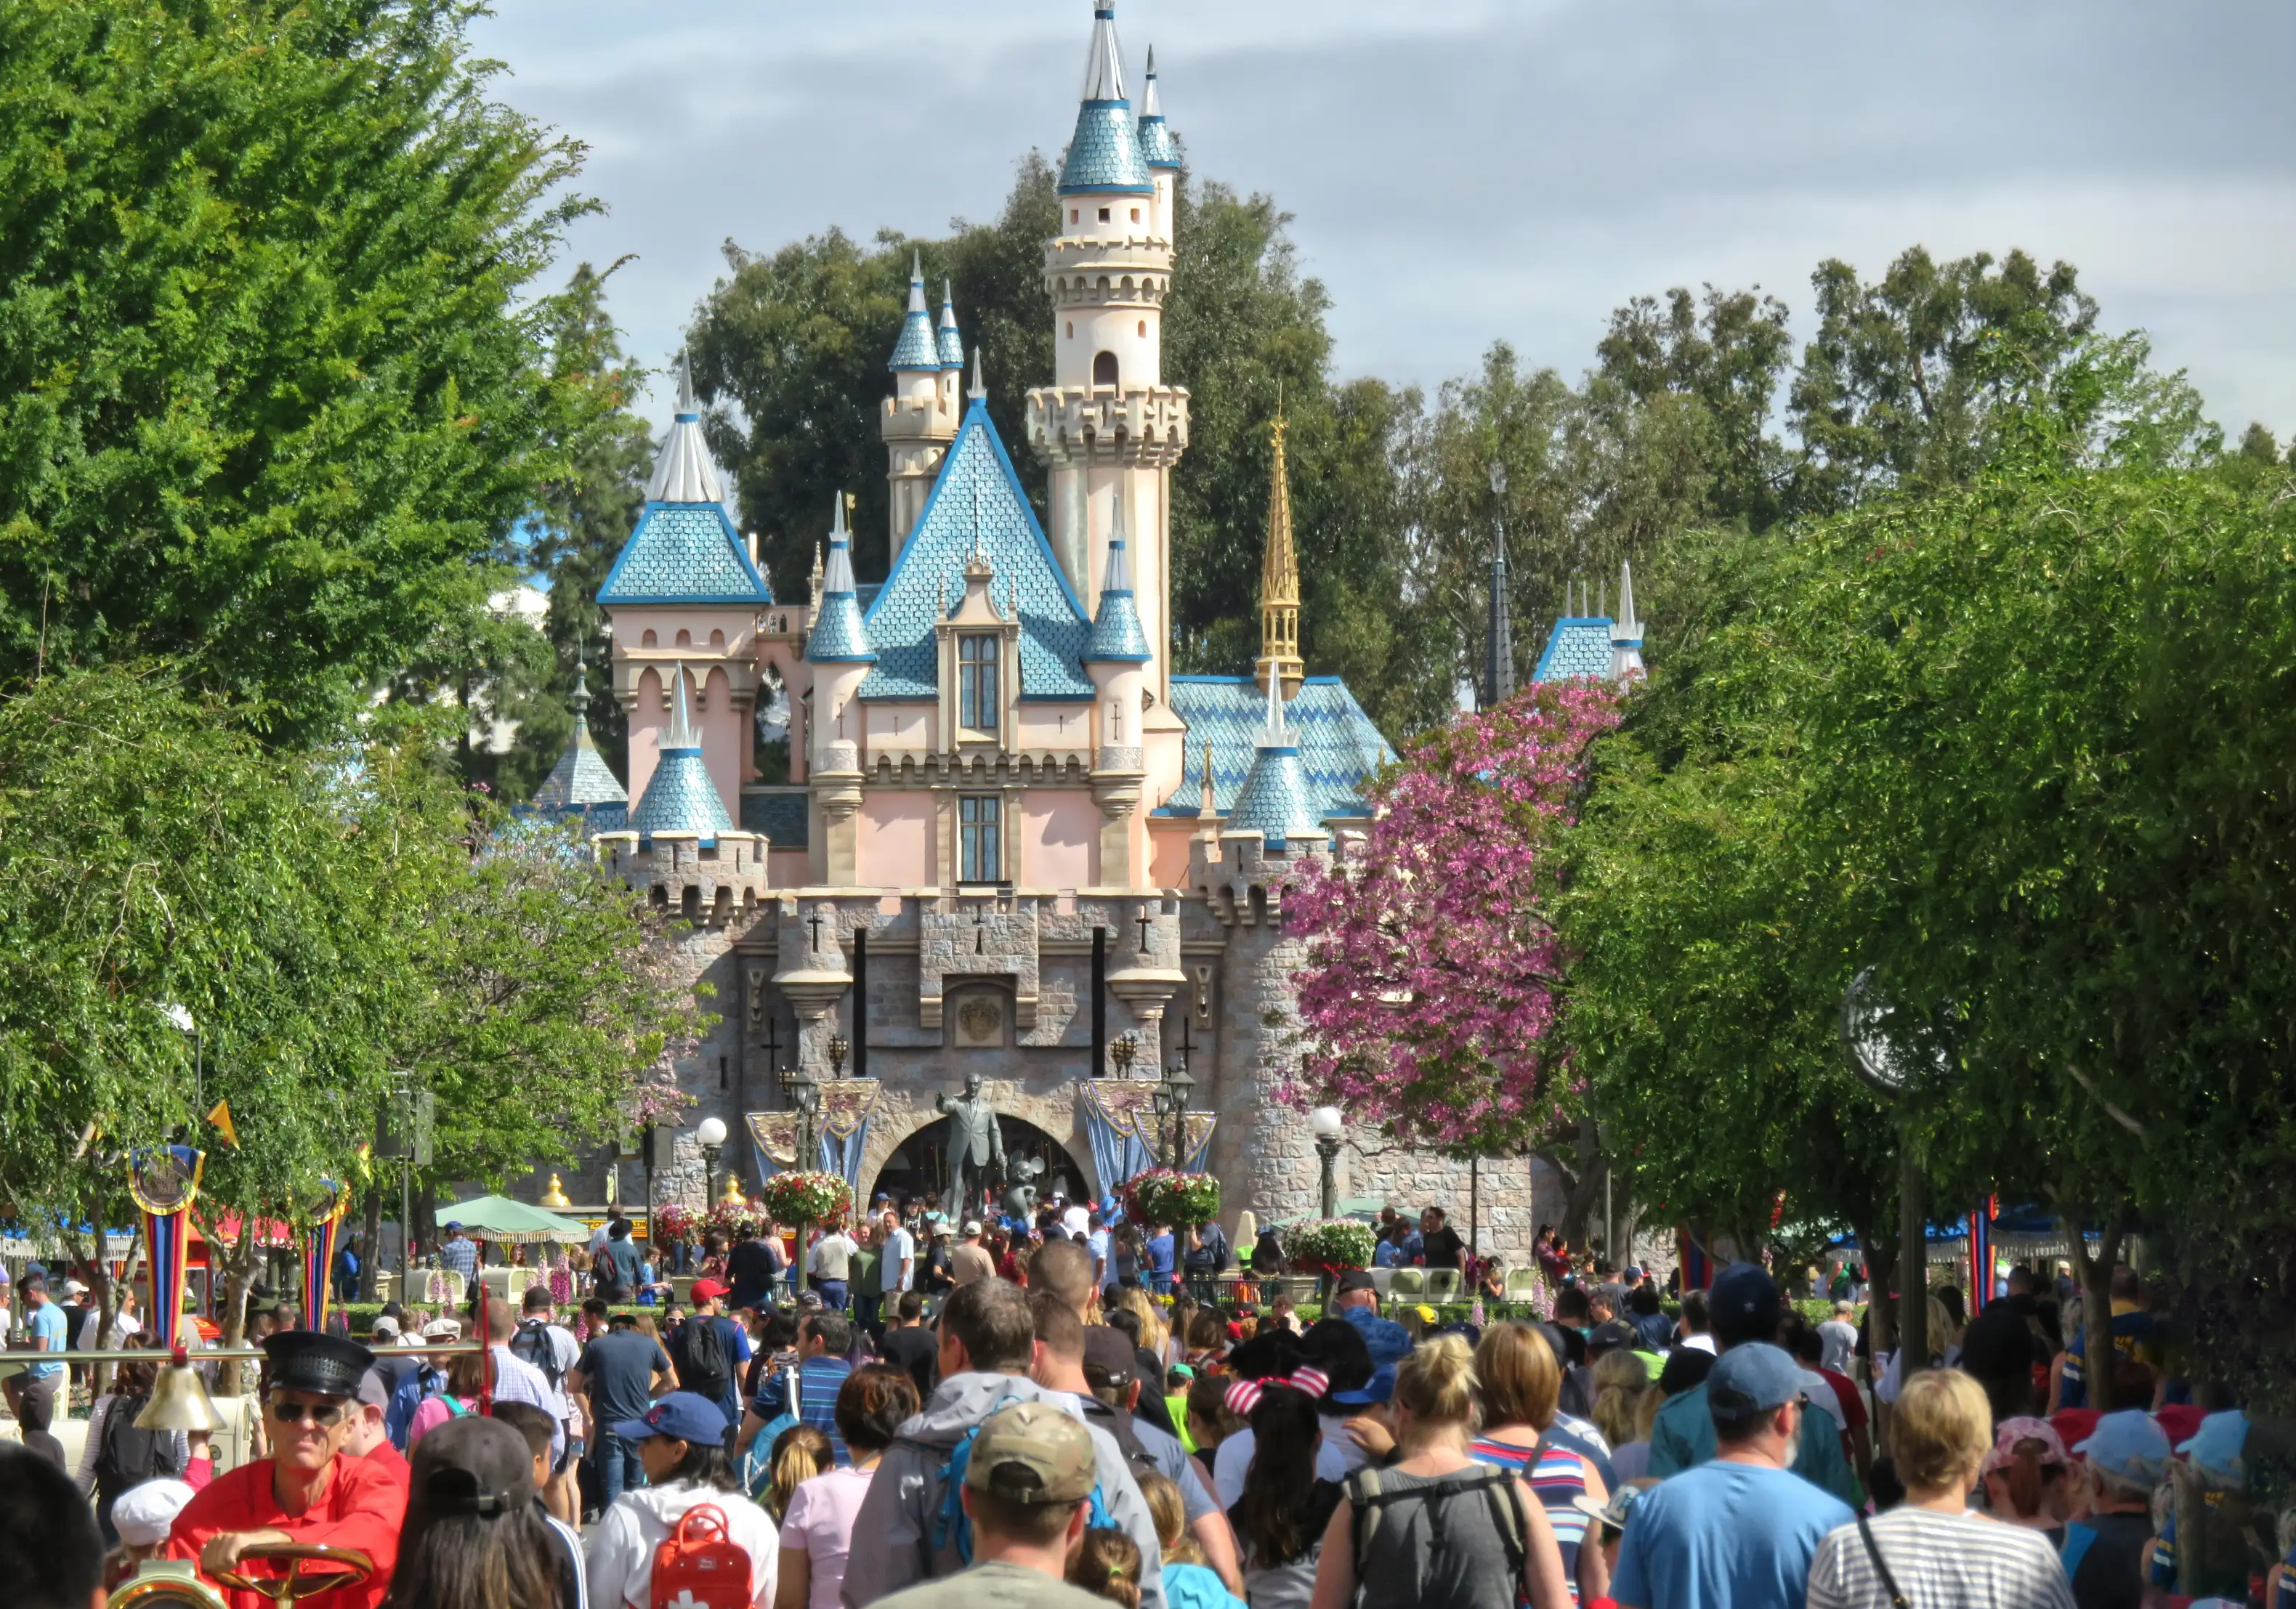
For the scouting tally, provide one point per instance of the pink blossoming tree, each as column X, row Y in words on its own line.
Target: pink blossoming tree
column 1430, row 1002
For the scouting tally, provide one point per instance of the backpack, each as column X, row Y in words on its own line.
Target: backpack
column 1367, row 1501
column 1215, row 1242
column 709, row 1366
column 699, row 1566
column 127, row 1457
column 531, row 1343
column 952, row 1526
column 1118, row 1423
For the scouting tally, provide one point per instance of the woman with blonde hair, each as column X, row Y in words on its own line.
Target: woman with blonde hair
column 1431, row 1527
column 1155, row 1337
column 1621, row 1381
column 1519, row 1380
column 1930, row 1552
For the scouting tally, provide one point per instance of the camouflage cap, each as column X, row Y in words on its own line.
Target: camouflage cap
column 1033, row 1452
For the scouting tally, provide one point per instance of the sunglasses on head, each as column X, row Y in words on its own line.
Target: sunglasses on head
column 327, row 1415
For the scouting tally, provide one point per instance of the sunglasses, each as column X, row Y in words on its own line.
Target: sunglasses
column 327, row 1415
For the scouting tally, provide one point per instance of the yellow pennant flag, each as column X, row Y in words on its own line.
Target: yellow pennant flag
column 221, row 1118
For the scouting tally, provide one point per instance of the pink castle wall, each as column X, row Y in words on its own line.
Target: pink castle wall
column 893, row 846
column 1060, row 840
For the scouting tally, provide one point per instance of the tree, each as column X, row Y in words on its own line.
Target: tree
column 1429, row 1000
column 272, row 388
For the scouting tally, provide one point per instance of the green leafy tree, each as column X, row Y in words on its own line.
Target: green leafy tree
column 273, row 395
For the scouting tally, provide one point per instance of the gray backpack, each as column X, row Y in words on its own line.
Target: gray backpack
column 1367, row 1500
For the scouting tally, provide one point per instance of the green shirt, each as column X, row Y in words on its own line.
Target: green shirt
column 994, row 1587
column 864, row 1271
column 1682, row 1437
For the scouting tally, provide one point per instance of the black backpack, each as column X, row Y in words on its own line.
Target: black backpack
column 1118, row 1423
column 127, row 1457
column 531, row 1343
column 709, row 1366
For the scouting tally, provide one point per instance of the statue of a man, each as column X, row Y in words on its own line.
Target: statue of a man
column 976, row 1148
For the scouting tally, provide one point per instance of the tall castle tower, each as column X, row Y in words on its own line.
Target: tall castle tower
column 1108, row 428
column 920, row 418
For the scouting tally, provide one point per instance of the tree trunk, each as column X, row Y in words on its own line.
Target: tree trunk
column 2098, row 1355
column 238, row 1261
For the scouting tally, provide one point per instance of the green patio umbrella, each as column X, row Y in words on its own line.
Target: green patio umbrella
column 499, row 1218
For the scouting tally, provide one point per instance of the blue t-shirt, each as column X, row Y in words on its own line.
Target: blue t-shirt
column 1160, row 1253
column 47, row 1324
column 1724, row 1536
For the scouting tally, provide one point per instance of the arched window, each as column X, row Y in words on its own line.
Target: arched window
column 1103, row 370
column 685, row 638
column 649, row 640
column 718, row 639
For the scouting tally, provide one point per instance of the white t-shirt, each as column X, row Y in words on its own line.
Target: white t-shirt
column 899, row 1249
column 1704, row 1343
column 1939, row 1561
column 819, row 1524
column 1841, row 1338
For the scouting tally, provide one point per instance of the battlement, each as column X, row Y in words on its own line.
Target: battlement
column 708, row 884
column 1146, row 426
column 1239, row 882
column 1087, row 270
column 928, row 419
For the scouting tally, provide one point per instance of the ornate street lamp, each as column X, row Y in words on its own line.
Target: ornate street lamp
column 712, row 1135
column 1178, row 1090
column 837, row 1047
column 1328, row 1124
column 1894, row 1050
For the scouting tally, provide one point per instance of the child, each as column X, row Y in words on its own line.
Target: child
column 1107, row 1565
column 801, row 1452
column 1189, row 1583
column 535, row 1424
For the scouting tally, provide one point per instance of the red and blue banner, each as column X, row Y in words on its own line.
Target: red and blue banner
column 1981, row 1254
column 1697, row 1267
column 319, row 1251
column 164, row 1182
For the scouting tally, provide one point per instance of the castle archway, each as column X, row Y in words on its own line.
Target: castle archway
column 917, row 1165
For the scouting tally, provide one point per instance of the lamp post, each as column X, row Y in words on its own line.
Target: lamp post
column 805, row 1098
column 1179, row 1089
column 712, row 1135
column 1328, row 1124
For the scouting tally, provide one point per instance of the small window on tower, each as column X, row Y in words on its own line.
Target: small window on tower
column 980, row 846
column 1135, row 215
column 685, row 638
column 1144, row 328
column 1103, row 368
column 1075, row 216
column 649, row 640
column 977, row 704
column 1103, row 215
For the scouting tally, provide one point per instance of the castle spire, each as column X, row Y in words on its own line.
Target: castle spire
column 1498, row 643
column 979, row 390
column 1104, row 64
column 1274, row 800
column 1207, row 798
column 838, row 635
column 1116, row 634
column 580, row 787
column 680, row 797
column 951, row 344
column 1626, row 630
column 919, row 348
column 1158, row 147
column 1279, row 662
column 682, row 470
column 1104, row 153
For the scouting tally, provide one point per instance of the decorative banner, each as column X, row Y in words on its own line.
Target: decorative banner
column 1123, row 1130
column 165, row 1180
column 840, row 1131
column 220, row 1116
column 325, row 1224
column 1981, row 1255
column 1697, row 1266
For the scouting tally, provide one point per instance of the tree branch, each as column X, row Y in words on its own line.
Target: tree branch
column 2111, row 1111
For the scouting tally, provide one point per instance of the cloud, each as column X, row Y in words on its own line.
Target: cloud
column 1462, row 172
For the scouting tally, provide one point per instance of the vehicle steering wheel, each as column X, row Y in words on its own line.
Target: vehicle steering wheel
column 336, row 1567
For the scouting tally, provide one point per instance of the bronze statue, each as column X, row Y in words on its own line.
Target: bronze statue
column 976, row 1149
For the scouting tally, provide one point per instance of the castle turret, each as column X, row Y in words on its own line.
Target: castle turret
column 1108, row 428
column 951, row 343
column 1159, row 150
column 920, row 419
column 1275, row 801
column 581, row 787
column 1626, row 630
column 1116, row 656
column 838, row 648
column 1279, row 585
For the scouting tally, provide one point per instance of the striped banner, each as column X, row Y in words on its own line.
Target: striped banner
column 164, row 1180
column 1980, row 1257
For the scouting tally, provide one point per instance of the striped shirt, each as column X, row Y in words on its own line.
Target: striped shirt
column 1559, row 1475
column 1940, row 1561
column 819, row 1380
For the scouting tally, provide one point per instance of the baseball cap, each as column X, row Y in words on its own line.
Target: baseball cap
column 145, row 1514
column 452, row 1227
column 373, row 1390
column 1379, row 1388
column 1743, row 1305
column 73, row 1288
column 687, row 1416
column 971, row 1225
column 384, row 1328
column 472, row 1466
column 810, row 1302
column 1608, row 1336
column 2218, row 1448
column 706, row 1290
column 2020, row 1428
column 1109, row 1356
column 2128, row 1444
column 1357, row 1279
column 1032, row 1452
column 1751, row 1380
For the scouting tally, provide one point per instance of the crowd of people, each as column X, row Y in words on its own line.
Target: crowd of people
column 1053, row 1423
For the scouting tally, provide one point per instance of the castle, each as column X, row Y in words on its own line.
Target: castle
column 1014, row 843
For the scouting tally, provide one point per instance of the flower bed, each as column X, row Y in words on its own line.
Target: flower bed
column 1167, row 1195
column 1328, row 1245
column 806, row 1198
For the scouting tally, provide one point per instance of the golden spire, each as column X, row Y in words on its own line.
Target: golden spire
column 1279, row 585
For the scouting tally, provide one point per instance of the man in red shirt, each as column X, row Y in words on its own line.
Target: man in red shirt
column 307, row 1491
column 369, row 1439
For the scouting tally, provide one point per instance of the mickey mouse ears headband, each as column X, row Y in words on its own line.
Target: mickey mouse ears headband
column 1244, row 1395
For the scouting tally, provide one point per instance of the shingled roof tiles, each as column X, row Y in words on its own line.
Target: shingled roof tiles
column 976, row 500
column 1105, row 154
column 1579, row 645
column 1339, row 749
column 684, row 552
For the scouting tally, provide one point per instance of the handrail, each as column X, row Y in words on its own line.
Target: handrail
column 211, row 1354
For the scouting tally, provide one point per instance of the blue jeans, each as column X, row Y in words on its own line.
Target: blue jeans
column 833, row 1292
column 619, row 1468
column 865, row 1311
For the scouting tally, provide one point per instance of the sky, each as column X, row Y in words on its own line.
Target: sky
column 1466, row 171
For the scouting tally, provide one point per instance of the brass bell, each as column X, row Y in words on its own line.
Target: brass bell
column 179, row 1400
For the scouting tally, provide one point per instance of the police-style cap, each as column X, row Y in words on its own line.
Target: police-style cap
column 312, row 1361
column 1032, row 1452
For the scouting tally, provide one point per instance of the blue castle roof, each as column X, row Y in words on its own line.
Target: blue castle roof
column 952, row 344
column 1339, row 750
column 1104, row 155
column 977, row 503
column 838, row 636
column 1275, row 800
column 680, row 797
column 581, row 787
column 684, row 552
column 1116, row 634
column 1579, row 645
column 919, row 347
column 1158, row 147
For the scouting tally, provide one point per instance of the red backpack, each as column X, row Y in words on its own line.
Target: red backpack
column 699, row 1566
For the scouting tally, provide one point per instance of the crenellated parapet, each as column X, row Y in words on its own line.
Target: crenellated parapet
column 1239, row 882
column 1146, row 426
column 1087, row 271
column 718, row 883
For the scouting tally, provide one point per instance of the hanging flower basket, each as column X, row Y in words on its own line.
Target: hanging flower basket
column 1328, row 1245
column 1167, row 1195
column 806, row 1198
column 675, row 1225
column 734, row 1220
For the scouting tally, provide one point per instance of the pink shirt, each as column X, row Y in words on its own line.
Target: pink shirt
column 433, row 1413
column 819, row 1524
